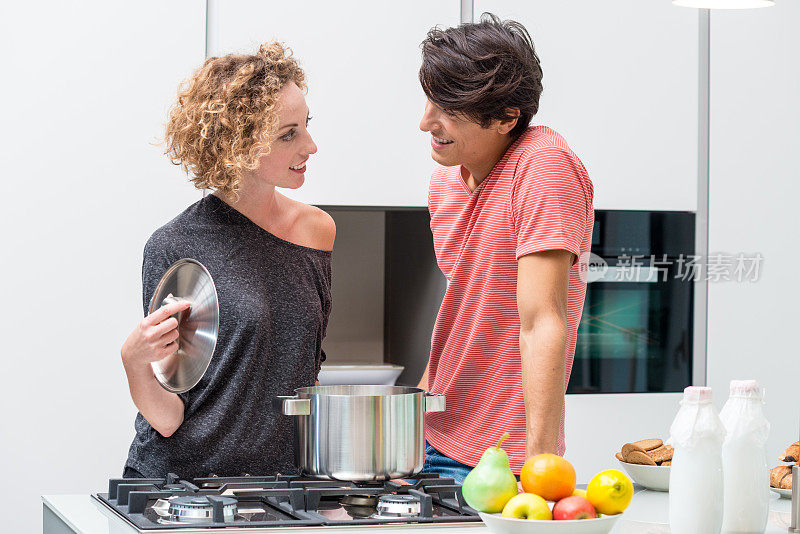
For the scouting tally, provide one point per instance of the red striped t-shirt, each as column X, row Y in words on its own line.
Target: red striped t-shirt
column 538, row 197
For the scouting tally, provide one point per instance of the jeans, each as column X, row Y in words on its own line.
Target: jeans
column 436, row 462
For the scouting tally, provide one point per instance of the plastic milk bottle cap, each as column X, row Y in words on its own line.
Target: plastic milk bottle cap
column 698, row 394
column 746, row 388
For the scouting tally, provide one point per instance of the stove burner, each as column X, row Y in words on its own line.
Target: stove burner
column 360, row 512
column 200, row 509
column 359, row 500
column 398, row 506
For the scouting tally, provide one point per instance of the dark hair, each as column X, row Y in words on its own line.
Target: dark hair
column 479, row 70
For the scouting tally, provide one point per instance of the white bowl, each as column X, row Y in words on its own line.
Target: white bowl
column 498, row 524
column 652, row 477
column 383, row 375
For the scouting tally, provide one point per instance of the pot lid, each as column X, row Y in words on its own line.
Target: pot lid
column 188, row 279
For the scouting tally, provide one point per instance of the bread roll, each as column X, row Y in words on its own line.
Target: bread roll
column 791, row 454
column 778, row 476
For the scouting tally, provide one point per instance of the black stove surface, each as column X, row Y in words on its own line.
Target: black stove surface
column 280, row 501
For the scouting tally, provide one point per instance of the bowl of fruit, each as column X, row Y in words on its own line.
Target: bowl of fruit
column 648, row 462
column 549, row 502
column 503, row 525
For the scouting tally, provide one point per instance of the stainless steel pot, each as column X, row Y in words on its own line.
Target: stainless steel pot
column 361, row 433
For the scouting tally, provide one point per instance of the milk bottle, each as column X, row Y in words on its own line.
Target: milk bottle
column 696, row 480
column 744, row 460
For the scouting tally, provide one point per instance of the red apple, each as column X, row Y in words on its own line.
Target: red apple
column 575, row 507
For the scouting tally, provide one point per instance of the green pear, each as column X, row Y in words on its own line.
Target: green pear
column 491, row 484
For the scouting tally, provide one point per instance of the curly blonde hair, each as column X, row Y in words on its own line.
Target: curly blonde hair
column 225, row 116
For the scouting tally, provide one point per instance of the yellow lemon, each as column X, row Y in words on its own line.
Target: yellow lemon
column 610, row 492
column 579, row 493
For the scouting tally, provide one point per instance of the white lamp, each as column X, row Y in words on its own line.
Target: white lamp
column 724, row 4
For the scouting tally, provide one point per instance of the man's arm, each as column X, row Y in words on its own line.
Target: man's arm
column 542, row 290
column 423, row 382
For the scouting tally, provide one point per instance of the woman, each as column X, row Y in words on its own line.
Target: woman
column 240, row 128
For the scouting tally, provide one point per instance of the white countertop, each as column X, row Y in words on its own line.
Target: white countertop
column 647, row 514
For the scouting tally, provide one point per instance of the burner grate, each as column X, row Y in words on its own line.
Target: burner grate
column 282, row 501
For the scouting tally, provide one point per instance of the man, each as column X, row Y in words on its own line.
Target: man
column 511, row 213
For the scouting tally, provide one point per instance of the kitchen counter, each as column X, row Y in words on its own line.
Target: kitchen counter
column 647, row 514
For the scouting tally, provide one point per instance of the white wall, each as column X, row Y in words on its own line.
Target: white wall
column 362, row 60
column 754, row 190
column 620, row 84
column 86, row 86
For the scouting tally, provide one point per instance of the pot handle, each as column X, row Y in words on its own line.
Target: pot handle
column 293, row 405
column 434, row 402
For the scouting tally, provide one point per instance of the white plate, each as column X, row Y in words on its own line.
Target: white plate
column 385, row 375
column 498, row 524
column 652, row 477
column 784, row 493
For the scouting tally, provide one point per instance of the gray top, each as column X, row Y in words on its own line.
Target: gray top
column 274, row 303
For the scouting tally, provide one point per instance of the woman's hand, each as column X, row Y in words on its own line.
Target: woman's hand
column 155, row 337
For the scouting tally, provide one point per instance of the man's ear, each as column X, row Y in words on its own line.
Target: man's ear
column 506, row 125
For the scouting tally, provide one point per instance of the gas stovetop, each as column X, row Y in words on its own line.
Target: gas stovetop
column 170, row 503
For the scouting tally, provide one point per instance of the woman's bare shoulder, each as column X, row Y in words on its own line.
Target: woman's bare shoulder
column 315, row 228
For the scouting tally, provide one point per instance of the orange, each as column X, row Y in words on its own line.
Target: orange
column 549, row 476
